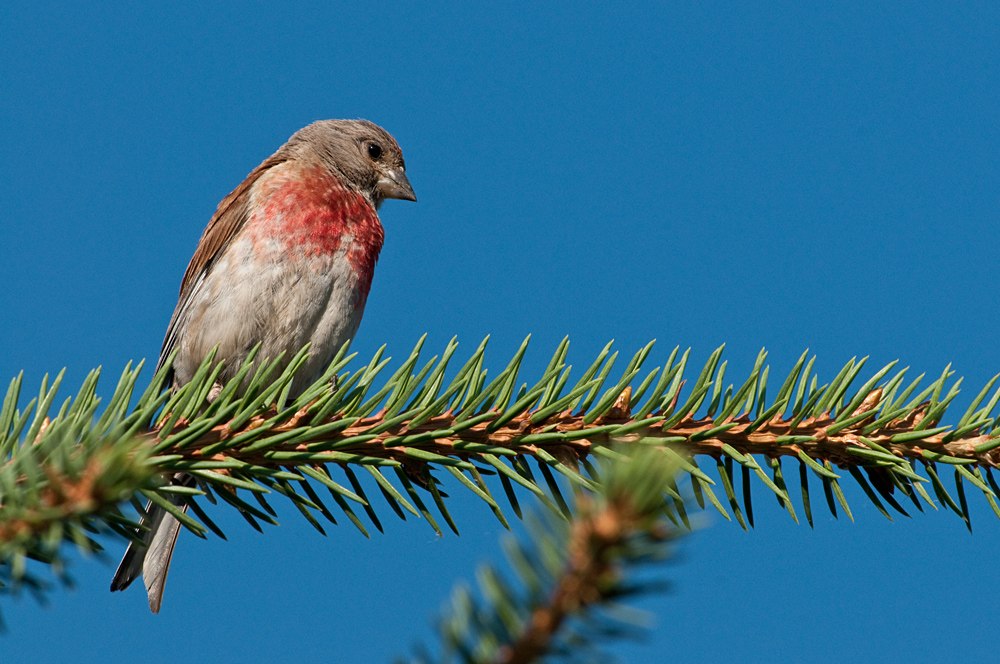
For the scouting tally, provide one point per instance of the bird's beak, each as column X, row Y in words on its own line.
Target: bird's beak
column 393, row 184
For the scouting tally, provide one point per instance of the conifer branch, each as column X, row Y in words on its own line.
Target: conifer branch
column 568, row 578
column 249, row 437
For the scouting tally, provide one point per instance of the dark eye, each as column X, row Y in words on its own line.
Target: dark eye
column 374, row 151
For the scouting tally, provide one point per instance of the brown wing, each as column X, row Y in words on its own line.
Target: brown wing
column 229, row 218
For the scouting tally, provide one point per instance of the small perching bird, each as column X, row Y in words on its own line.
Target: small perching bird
column 287, row 259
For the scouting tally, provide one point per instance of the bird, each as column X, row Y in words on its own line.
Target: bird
column 286, row 260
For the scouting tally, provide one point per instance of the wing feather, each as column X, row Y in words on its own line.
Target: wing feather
column 231, row 215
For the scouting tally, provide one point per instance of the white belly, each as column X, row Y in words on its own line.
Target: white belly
column 276, row 297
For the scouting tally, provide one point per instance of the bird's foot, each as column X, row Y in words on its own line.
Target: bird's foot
column 214, row 393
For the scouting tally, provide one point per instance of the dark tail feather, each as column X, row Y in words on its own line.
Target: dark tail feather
column 152, row 559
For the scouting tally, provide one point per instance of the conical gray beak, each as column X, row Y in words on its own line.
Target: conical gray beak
column 395, row 185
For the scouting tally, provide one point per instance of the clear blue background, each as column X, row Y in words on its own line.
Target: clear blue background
column 820, row 176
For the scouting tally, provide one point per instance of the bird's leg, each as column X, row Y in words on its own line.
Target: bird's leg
column 214, row 393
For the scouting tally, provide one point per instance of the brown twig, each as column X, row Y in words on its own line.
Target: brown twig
column 812, row 436
column 590, row 571
column 63, row 497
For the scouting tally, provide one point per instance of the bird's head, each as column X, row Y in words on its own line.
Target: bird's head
column 363, row 154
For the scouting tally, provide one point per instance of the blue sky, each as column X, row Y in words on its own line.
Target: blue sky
column 789, row 176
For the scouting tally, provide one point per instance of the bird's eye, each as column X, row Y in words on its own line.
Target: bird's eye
column 374, row 151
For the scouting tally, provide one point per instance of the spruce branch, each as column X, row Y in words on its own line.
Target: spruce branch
column 568, row 577
column 63, row 482
column 251, row 438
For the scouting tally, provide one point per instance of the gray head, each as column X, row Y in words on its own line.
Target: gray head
column 365, row 155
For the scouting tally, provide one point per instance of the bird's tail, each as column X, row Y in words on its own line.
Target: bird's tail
column 152, row 558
